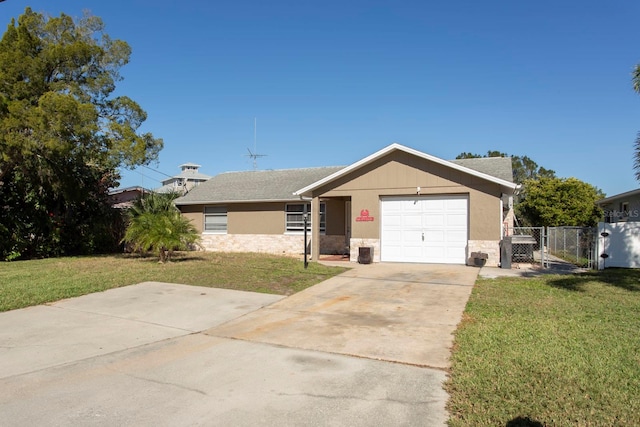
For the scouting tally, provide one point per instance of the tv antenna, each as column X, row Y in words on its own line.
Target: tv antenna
column 253, row 155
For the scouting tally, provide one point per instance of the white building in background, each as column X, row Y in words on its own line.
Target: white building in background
column 182, row 183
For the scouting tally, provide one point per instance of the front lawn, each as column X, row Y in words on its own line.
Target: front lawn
column 27, row 283
column 549, row 351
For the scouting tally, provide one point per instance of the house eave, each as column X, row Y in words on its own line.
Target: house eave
column 618, row 196
column 219, row 202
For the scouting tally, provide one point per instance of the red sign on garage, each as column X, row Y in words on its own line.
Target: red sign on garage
column 364, row 216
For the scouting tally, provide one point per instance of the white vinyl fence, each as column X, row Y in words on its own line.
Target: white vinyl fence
column 618, row 245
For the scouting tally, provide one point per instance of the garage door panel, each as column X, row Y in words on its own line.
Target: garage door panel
column 392, row 236
column 394, row 220
column 456, row 203
column 457, row 220
column 433, row 253
column 433, row 204
column 432, row 220
column 412, row 237
column 457, row 236
column 412, row 221
column 410, row 206
column 425, row 229
column 434, row 236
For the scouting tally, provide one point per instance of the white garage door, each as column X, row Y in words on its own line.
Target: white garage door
column 424, row 229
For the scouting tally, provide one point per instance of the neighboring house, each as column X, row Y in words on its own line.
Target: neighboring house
column 123, row 198
column 621, row 207
column 186, row 180
column 408, row 205
column 619, row 235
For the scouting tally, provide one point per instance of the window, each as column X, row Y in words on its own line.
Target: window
column 295, row 219
column 624, row 209
column 215, row 219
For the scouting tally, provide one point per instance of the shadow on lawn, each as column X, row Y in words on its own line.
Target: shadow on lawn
column 523, row 422
column 624, row 278
column 150, row 257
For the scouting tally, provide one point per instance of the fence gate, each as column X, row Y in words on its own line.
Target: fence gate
column 576, row 245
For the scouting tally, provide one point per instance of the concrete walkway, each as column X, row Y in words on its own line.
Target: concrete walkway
column 161, row 354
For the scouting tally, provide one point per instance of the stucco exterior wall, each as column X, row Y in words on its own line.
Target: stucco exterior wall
column 256, row 218
column 264, row 218
column 194, row 213
column 243, row 218
column 400, row 174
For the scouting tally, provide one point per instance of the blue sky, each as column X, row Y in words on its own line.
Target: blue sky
column 332, row 82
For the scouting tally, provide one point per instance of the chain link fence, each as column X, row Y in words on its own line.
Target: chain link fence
column 528, row 245
column 573, row 244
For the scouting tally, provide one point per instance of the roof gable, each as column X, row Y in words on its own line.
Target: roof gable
column 508, row 185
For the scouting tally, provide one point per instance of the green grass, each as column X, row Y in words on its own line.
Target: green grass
column 549, row 351
column 27, row 283
column 571, row 257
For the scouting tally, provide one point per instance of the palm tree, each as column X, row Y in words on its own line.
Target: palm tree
column 636, row 157
column 155, row 224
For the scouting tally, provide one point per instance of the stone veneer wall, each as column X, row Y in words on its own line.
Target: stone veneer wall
column 356, row 243
column 489, row 247
column 278, row 244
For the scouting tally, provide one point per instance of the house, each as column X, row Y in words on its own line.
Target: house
column 122, row 198
column 407, row 205
column 621, row 207
column 618, row 238
column 188, row 178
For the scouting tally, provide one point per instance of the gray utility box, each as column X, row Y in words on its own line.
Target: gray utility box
column 506, row 251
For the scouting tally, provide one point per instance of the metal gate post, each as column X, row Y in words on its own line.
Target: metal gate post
column 542, row 249
column 577, row 246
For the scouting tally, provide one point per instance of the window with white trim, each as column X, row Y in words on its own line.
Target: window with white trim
column 295, row 219
column 215, row 219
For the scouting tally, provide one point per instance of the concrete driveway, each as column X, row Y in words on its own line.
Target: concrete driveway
column 164, row 354
column 395, row 312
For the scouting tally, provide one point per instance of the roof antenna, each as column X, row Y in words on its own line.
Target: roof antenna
column 254, row 154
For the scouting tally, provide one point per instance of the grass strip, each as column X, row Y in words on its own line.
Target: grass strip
column 27, row 283
column 549, row 351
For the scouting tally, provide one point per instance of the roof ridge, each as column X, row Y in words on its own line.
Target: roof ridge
column 286, row 169
column 483, row 158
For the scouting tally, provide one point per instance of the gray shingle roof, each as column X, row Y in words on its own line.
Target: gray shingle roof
column 279, row 185
column 270, row 185
column 500, row 167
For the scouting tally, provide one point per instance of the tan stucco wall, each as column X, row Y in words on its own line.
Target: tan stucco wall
column 401, row 173
column 195, row 214
column 256, row 218
column 244, row 218
column 264, row 218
